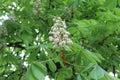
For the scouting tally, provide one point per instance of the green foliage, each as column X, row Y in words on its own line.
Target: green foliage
column 97, row 73
column 36, row 71
column 27, row 54
column 63, row 74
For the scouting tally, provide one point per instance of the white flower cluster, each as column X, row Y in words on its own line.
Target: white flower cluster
column 59, row 34
column 37, row 6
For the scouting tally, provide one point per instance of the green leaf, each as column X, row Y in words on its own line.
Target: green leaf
column 119, row 2
column 29, row 75
column 78, row 58
column 27, row 38
column 59, row 76
column 41, row 67
column 52, row 66
column 36, row 71
column 79, row 77
column 64, row 73
column 88, row 67
column 97, row 73
column 110, row 4
column 90, row 56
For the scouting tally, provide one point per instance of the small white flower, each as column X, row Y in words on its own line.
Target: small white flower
column 57, row 21
column 64, row 31
column 67, row 33
column 55, row 46
column 69, row 41
column 60, row 43
column 59, row 18
column 52, row 27
column 61, row 29
column 56, row 40
column 56, row 35
column 65, row 36
column 64, row 25
column 55, row 29
column 51, row 38
column 50, row 32
column 63, row 42
column 57, row 25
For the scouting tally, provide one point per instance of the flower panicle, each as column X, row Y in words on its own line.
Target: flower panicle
column 59, row 36
column 37, row 6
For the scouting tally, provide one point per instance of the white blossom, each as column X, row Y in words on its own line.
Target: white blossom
column 69, row 41
column 61, row 29
column 59, row 34
column 60, row 43
column 56, row 40
column 64, row 25
column 65, row 36
column 63, row 42
column 67, row 33
column 37, row 6
column 50, row 38
column 55, row 46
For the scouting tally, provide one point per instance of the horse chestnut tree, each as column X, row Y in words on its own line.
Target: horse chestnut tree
column 59, row 39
